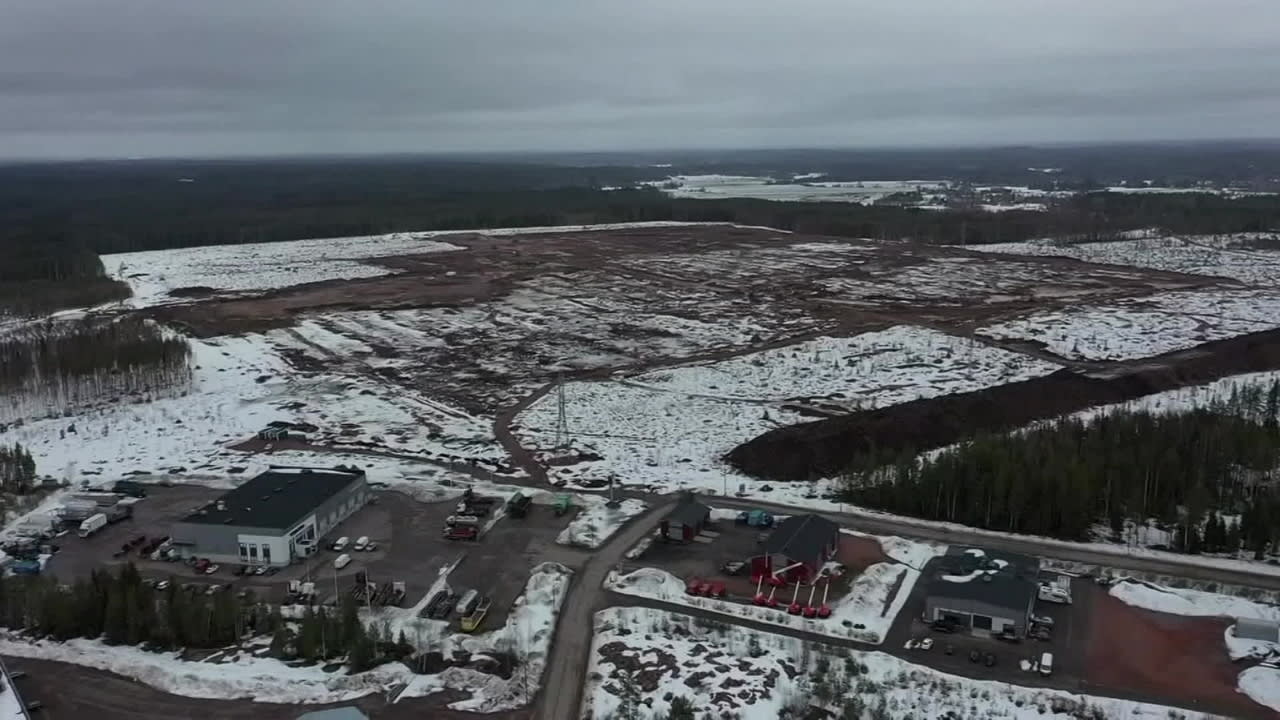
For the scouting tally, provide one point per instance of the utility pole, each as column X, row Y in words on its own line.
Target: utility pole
column 562, row 417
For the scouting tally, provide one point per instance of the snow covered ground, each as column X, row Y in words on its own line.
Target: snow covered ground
column 527, row 634
column 734, row 672
column 596, row 521
column 254, row 267
column 1262, row 684
column 669, row 428
column 239, row 385
column 1147, row 326
column 1196, row 603
column 764, row 188
column 864, row 613
column 1229, row 256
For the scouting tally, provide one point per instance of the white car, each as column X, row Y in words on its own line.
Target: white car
column 213, row 568
column 341, row 561
column 361, row 543
column 341, row 544
column 926, row 644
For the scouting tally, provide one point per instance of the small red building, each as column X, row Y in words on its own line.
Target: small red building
column 685, row 521
column 797, row 549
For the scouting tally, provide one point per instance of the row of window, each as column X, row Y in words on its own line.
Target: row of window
column 249, row 552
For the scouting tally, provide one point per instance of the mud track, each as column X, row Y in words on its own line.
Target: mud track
column 827, row 447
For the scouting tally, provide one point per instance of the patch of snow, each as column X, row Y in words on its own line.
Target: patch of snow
column 670, row 428
column 1239, row 648
column 1196, row 603
column 1262, row 684
column 597, row 522
column 731, row 671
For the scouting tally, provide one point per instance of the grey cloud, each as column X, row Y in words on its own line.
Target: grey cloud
column 152, row 77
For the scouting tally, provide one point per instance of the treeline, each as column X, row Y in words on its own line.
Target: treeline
column 54, row 366
column 42, row 269
column 121, row 609
column 243, row 202
column 1063, row 478
column 323, row 635
column 17, row 469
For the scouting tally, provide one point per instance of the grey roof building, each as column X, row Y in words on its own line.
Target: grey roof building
column 685, row 520
column 798, row 548
column 272, row 518
column 982, row 589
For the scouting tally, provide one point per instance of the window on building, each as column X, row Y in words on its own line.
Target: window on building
column 244, row 550
column 253, row 552
column 266, row 553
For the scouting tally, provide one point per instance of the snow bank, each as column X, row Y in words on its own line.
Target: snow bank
column 1262, row 685
column 597, row 522
column 1195, row 603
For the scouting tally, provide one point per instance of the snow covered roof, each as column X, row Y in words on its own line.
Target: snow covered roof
column 803, row 538
column 276, row 499
column 1004, row 580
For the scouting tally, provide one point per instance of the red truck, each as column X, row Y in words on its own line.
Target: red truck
column 461, row 532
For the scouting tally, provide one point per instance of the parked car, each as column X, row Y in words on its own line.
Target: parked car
column 975, row 655
column 212, row 568
column 1046, row 664
column 989, row 659
column 362, row 542
column 371, row 546
column 201, row 565
column 926, row 644
column 340, row 544
column 260, row 570
column 341, row 561
column 462, row 532
column 1053, row 594
column 1042, row 620
column 162, row 585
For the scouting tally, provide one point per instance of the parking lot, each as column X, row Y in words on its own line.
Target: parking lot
column 408, row 534
column 951, row 652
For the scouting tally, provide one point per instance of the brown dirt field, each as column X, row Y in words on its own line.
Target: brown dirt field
column 859, row 553
column 1183, row 659
column 825, row 447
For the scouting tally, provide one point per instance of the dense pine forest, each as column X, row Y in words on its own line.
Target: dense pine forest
column 17, row 470
column 42, row 270
column 52, row 367
column 1212, row 473
column 122, row 609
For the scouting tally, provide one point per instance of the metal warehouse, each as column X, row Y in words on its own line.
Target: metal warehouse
column 273, row 518
column 982, row 590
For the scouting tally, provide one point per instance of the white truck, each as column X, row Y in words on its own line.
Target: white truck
column 92, row 524
column 1053, row 594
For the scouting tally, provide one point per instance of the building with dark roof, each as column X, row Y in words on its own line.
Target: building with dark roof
column 272, row 518
column 982, row 590
column 797, row 548
column 685, row 520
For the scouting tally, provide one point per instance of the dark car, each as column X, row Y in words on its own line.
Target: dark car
column 974, row 656
column 989, row 660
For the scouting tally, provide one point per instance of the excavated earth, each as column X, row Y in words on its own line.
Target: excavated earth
column 827, row 447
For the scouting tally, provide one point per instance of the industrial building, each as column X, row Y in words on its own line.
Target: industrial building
column 982, row 590
column 797, row 549
column 273, row 518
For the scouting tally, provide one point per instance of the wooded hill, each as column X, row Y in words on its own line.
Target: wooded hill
column 52, row 367
column 42, row 270
column 17, row 470
column 1064, row 478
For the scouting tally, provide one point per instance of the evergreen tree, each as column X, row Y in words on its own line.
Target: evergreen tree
column 681, row 709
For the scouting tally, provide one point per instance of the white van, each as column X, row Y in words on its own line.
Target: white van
column 1046, row 664
column 1054, row 594
column 361, row 543
column 341, row 544
column 468, row 602
column 341, row 561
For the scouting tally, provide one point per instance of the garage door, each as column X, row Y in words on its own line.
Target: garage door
column 982, row 622
column 955, row 618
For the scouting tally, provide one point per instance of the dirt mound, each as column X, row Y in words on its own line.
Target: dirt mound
column 826, row 447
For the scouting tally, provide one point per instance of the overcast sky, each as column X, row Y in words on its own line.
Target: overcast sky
column 124, row 78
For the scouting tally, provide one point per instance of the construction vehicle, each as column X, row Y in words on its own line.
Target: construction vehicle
column 824, row 610
column 794, row 607
column 462, row 532
column 809, row 610
column 519, row 504
column 92, row 524
column 564, row 504
column 755, row 518
column 471, row 622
